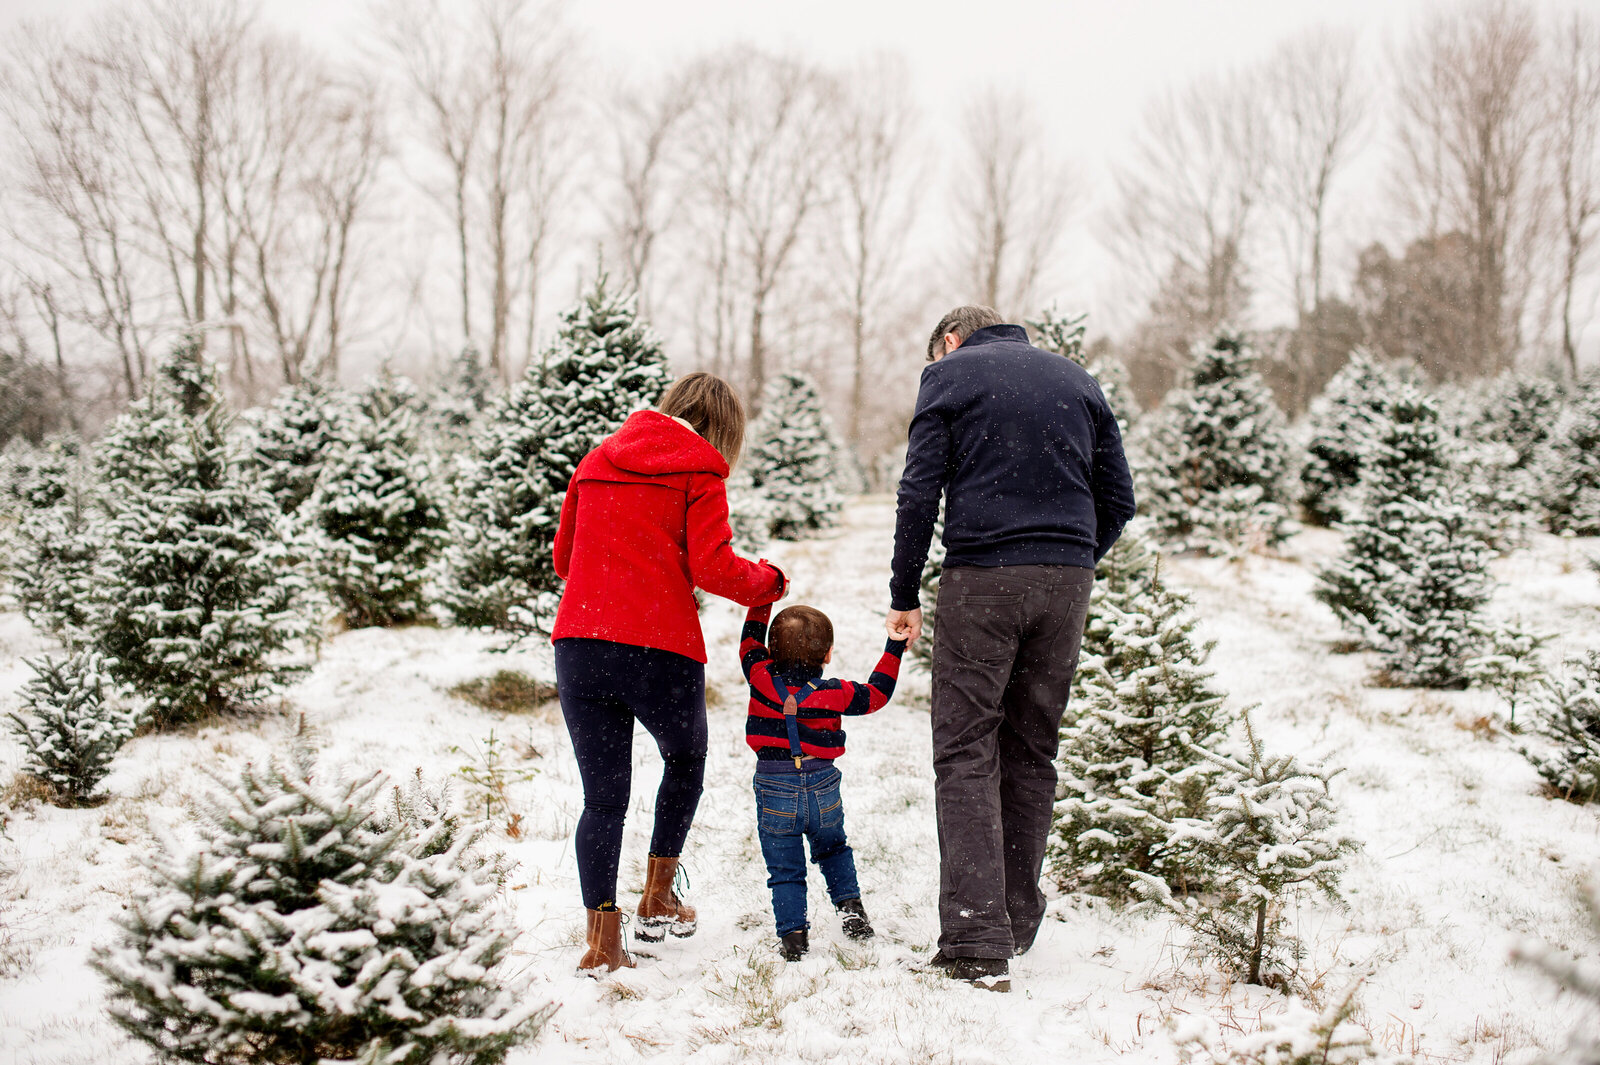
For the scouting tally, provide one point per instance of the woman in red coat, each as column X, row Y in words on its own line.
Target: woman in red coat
column 645, row 522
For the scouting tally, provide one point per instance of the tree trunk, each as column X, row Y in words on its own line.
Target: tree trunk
column 1260, row 944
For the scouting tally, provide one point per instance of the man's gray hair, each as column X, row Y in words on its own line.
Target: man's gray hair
column 963, row 322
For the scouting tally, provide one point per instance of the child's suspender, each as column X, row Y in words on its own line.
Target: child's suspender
column 791, row 711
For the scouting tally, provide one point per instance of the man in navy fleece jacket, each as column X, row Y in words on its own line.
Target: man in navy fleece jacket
column 1026, row 452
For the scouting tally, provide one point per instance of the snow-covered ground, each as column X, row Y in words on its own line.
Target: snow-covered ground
column 1462, row 854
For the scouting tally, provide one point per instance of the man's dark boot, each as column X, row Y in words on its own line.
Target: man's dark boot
column 991, row 974
column 794, row 946
column 853, row 917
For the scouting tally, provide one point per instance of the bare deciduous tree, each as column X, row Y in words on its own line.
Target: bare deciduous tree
column 1315, row 110
column 875, row 209
column 646, row 125
column 1469, row 117
column 1011, row 202
column 493, row 77
column 760, row 136
column 1573, row 148
column 1188, row 203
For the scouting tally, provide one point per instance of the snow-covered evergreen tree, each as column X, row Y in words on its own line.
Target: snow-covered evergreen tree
column 1572, row 496
column 460, row 399
column 71, row 728
column 132, row 452
column 1268, row 836
column 1567, row 719
column 1127, row 575
column 1578, row 975
column 1521, row 411
column 318, row 922
column 1343, row 423
column 789, row 459
column 1217, row 456
column 194, row 604
column 54, row 542
column 375, row 514
column 1298, row 1036
column 1130, row 768
column 605, row 364
column 292, row 440
column 1510, row 666
column 1413, row 579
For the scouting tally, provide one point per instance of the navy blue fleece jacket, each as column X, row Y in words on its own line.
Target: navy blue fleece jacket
column 1026, row 451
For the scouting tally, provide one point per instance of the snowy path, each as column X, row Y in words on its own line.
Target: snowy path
column 1462, row 855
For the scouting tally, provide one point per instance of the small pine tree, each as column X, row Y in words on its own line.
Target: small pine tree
column 606, row 363
column 789, row 460
column 55, row 542
column 462, row 396
column 1130, row 767
column 1572, row 498
column 194, row 603
column 1128, row 574
column 1510, row 667
column 317, row 923
column 1298, row 1036
column 1414, row 575
column 1344, row 421
column 1576, row 974
column 374, row 514
column 1268, row 836
column 293, row 439
column 1520, row 411
column 1217, row 456
column 1567, row 718
column 72, row 730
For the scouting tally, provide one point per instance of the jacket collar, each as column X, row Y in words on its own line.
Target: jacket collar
column 994, row 334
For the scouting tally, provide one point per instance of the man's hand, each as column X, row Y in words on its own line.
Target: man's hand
column 904, row 625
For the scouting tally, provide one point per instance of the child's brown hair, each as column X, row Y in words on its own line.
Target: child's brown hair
column 800, row 636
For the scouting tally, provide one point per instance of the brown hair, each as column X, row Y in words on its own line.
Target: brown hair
column 801, row 636
column 712, row 408
column 963, row 322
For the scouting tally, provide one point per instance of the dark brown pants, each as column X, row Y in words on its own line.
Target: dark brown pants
column 1005, row 647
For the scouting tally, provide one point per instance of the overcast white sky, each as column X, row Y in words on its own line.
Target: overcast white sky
column 1089, row 65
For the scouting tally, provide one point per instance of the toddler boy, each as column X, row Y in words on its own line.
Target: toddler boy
column 794, row 728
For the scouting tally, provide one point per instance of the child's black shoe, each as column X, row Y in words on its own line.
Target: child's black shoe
column 853, row 916
column 794, row 946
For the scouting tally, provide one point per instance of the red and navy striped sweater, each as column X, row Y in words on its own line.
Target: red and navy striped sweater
column 820, row 733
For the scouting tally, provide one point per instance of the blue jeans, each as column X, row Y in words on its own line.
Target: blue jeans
column 795, row 806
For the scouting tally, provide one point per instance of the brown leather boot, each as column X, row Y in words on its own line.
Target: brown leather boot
column 660, row 910
column 605, row 944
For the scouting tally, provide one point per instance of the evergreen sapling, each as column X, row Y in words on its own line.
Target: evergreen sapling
column 1572, row 498
column 1567, row 719
column 1344, row 421
column 789, row 461
column 1217, row 456
column 606, row 364
column 318, row 922
column 375, row 515
column 1268, row 837
column 1131, row 769
column 293, row 439
column 71, row 729
column 195, row 603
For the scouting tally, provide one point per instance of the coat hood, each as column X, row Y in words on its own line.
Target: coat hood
column 649, row 442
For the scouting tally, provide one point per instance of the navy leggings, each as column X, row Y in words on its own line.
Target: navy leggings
column 604, row 686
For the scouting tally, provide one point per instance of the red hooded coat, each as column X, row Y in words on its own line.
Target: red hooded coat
column 646, row 521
